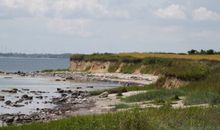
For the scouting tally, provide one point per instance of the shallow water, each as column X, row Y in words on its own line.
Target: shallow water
column 39, row 84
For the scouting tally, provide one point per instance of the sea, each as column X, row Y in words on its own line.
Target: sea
column 14, row 64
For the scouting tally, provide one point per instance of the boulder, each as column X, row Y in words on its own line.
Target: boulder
column 14, row 90
column 59, row 90
column 8, row 102
column 2, row 98
column 63, row 95
column 103, row 95
column 9, row 119
column 26, row 97
column 19, row 101
column 39, row 97
column 90, row 87
column 18, row 105
column 24, row 89
column 69, row 78
column 57, row 79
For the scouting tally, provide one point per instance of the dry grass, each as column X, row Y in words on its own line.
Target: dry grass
column 215, row 57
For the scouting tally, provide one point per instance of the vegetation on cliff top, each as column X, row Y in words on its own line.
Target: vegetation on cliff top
column 209, row 55
column 179, row 68
column 105, row 57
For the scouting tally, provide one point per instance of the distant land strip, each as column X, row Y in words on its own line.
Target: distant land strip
column 23, row 55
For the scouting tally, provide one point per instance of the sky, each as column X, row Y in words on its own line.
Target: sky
column 89, row 26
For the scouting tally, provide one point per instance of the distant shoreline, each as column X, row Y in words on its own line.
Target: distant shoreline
column 23, row 55
column 14, row 57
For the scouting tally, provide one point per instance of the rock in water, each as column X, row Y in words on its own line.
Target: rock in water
column 26, row 97
column 2, row 98
column 8, row 102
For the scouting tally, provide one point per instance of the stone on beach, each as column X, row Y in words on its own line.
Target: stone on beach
column 103, row 95
column 26, row 97
column 39, row 97
column 14, row 90
column 2, row 98
column 8, row 102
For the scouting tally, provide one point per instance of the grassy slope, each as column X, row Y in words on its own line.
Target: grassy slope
column 148, row 119
column 200, row 91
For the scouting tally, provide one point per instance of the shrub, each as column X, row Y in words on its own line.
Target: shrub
column 113, row 67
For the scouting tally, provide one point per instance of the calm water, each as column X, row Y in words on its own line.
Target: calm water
column 12, row 64
column 39, row 84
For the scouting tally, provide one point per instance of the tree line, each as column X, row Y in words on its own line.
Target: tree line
column 205, row 52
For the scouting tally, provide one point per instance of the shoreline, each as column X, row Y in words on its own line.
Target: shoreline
column 69, row 102
column 120, row 78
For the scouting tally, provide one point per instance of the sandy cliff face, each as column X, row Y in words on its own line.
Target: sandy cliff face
column 89, row 66
column 101, row 67
column 105, row 67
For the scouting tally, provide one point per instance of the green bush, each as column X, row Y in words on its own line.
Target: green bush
column 113, row 67
column 130, row 68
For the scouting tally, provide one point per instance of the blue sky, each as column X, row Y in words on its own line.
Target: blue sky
column 87, row 26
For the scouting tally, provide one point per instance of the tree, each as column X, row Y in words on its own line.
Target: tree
column 203, row 52
column 210, row 51
column 192, row 52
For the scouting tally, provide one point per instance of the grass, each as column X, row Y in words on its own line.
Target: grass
column 104, row 57
column 54, row 70
column 183, row 69
column 136, row 119
column 122, row 89
column 215, row 57
column 206, row 91
column 113, row 67
column 201, row 97
column 161, row 94
column 137, row 56
column 121, row 106
column 130, row 68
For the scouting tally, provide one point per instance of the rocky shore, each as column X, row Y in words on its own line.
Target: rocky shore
column 68, row 101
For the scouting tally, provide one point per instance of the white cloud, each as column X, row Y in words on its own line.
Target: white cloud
column 202, row 14
column 10, row 3
column 73, row 26
column 70, row 16
column 93, row 8
column 173, row 11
